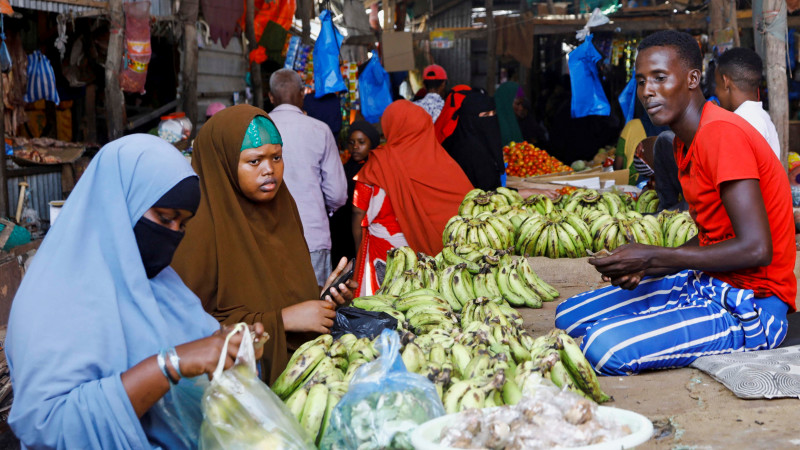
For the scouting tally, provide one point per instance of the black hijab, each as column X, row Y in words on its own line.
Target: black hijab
column 475, row 144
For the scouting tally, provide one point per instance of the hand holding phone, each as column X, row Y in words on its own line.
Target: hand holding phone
column 347, row 274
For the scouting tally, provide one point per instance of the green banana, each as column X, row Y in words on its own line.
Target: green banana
column 413, row 357
column 314, row 409
column 580, row 369
column 296, row 401
column 297, row 371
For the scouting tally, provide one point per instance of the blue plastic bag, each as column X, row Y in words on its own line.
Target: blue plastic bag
column 374, row 89
column 327, row 73
column 627, row 98
column 588, row 98
column 384, row 404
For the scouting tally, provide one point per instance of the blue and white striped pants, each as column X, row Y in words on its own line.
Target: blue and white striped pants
column 669, row 322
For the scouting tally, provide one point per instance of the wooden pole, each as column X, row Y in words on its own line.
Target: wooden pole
column 115, row 101
column 3, row 184
column 723, row 23
column 305, row 9
column 188, row 16
column 255, row 69
column 774, row 14
column 491, row 48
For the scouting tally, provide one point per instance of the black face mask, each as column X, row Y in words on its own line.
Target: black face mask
column 157, row 245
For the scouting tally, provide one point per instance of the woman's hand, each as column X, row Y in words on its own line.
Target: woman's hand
column 342, row 293
column 202, row 356
column 314, row 316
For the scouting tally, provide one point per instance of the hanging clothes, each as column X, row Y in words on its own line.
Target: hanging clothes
column 86, row 312
column 222, row 16
column 475, row 143
column 245, row 260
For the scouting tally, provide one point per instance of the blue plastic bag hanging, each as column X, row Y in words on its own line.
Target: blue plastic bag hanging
column 588, row 98
column 374, row 89
column 627, row 98
column 327, row 72
column 5, row 57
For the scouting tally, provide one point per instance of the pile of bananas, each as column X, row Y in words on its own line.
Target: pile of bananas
column 486, row 230
column 609, row 232
column 677, row 227
column 647, row 202
column 589, row 199
column 477, row 201
column 557, row 235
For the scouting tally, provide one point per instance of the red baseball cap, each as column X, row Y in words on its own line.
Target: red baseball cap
column 434, row 72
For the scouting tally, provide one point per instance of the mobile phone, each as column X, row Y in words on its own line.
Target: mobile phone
column 346, row 274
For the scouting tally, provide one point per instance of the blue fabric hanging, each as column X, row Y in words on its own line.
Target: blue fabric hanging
column 41, row 79
column 5, row 57
column 327, row 71
column 588, row 98
column 374, row 89
column 627, row 98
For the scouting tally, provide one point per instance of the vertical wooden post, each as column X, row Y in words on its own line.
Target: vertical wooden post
column 115, row 101
column 305, row 9
column 3, row 183
column 774, row 14
column 722, row 16
column 491, row 48
column 255, row 69
column 188, row 17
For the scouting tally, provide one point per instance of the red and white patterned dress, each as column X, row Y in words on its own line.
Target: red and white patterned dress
column 380, row 233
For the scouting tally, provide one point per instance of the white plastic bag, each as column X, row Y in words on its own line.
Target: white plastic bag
column 595, row 20
column 241, row 412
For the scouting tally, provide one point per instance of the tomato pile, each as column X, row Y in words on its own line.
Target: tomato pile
column 526, row 160
column 567, row 190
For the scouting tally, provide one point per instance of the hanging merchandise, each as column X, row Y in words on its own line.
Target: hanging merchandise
column 41, row 79
column 327, row 75
column 588, row 98
column 5, row 57
column 627, row 99
column 267, row 11
column 137, row 47
column 375, row 90
column 292, row 52
column 61, row 40
column 350, row 72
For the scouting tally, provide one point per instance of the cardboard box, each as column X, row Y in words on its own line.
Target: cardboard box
column 398, row 51
column 619, row 177
column 558, row 8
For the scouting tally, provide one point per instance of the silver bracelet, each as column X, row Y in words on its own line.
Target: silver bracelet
column 162, row 364
column 175, row 360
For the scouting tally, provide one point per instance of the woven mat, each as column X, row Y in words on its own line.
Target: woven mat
column 762, row 374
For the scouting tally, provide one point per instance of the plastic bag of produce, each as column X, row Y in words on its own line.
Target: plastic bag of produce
column 361, row 323
column 588, row 97
column 384, row 403
column 241, row 412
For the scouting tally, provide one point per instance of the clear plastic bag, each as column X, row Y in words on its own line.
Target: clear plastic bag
column 241, row 412
column 384, row 404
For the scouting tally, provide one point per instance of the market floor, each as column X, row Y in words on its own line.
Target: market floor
column 688, row 408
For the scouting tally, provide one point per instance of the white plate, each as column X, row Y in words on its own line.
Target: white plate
column 426, row 436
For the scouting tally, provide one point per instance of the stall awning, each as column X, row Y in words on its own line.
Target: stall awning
column 158, row 8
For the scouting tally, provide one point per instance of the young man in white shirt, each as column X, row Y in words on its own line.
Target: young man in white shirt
column 738, row 77
column 435, row 79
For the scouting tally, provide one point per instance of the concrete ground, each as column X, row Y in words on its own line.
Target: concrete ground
column 689, row 409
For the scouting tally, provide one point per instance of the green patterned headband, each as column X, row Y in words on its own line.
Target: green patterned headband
column 260, row 131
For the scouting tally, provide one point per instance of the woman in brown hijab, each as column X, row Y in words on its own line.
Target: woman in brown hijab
column 244, row 253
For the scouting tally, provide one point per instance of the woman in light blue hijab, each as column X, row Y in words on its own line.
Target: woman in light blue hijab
column 105, row 343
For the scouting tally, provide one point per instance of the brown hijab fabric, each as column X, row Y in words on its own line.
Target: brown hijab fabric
column 245, row 260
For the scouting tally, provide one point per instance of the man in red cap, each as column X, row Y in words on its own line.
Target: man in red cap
column 435, row 80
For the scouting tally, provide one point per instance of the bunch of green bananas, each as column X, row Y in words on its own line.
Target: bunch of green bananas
column 317, row 377
column 678, row 228
column 647, row 202
column 473, row 256
column 485, row 230
column 610, row 232
column 588, row 199
column 561, row 234
column 478, row 201
column 407, row 271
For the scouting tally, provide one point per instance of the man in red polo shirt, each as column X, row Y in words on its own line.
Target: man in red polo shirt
column 729, row 288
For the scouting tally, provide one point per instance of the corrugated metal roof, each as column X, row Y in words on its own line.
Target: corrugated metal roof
column 456, row 60
column 158, row 8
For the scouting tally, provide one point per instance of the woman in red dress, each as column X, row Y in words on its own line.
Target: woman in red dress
column 405, row 193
